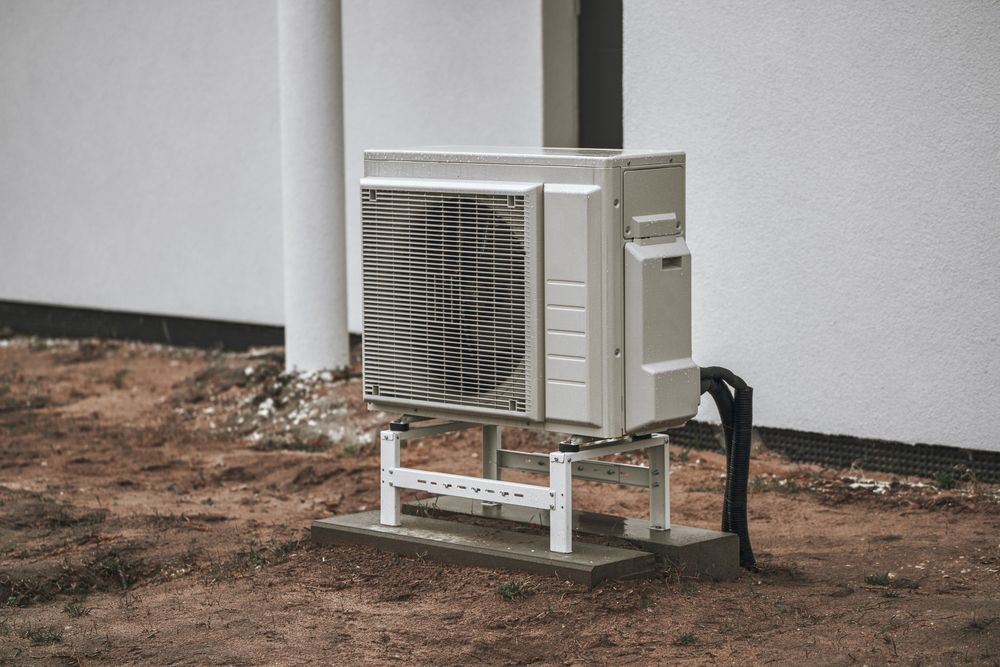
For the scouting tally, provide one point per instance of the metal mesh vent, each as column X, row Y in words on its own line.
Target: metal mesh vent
column 446, row 301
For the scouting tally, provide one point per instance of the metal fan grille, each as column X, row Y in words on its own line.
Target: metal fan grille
column 446, row 302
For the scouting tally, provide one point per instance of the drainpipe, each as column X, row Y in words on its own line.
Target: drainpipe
column 312, row 171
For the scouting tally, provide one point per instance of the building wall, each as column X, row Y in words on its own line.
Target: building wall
column 843, row 172
column 843, row 203
column 139, row 142
column 139, row 164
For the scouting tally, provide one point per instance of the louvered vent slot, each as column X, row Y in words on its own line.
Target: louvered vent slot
column 446, row 301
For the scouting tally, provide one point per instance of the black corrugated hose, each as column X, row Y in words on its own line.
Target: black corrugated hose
column 736, row 413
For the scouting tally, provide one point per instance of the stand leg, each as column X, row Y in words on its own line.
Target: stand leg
column 491, row 467
column 391, row 506
column 491, row 443
column 659, row 487
column 561, row 515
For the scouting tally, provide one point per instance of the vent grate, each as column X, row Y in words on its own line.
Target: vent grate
column 446, row 300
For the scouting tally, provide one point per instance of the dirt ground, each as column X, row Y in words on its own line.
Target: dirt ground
column 155, row 504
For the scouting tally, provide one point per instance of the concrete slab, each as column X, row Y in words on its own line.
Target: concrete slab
column 484, row 546
column 697, row 552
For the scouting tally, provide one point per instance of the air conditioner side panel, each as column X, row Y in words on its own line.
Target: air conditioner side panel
column 573, row 331
column 662, row 383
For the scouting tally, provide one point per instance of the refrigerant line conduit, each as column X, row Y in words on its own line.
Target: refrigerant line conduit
column 736, row 413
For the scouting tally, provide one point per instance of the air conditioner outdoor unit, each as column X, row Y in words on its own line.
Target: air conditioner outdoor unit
column 535, row 288
column 543, row 288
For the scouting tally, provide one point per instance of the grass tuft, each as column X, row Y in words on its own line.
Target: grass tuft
column 513, row 589
column 43, row 635
column 260, row 554
column 687, row 639
column 116, row 566
column 76, row 610
column 946, row 479
column 882, row 579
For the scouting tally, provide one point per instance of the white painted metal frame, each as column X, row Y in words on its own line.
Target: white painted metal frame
column 557, row 497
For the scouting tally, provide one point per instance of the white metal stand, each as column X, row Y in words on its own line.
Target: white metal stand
column 561, row 466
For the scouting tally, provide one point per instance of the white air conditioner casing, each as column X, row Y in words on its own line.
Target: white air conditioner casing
column 545, row 288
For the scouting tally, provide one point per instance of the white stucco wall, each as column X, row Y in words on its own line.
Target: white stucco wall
column 139, row 165
column 843, row 192
column 843, row 203
column 139, row 142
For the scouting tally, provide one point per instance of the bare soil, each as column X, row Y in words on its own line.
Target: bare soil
column 155, row 505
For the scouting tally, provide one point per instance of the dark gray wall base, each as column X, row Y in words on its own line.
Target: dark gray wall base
column 843, row 451
column 64, row 322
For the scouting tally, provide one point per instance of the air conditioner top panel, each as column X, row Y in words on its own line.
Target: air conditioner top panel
column 565, row 157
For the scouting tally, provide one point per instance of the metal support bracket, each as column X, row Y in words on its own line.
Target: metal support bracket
column 561, row 466
column 624, row 474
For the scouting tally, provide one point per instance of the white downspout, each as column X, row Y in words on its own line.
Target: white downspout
column 312, row 168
